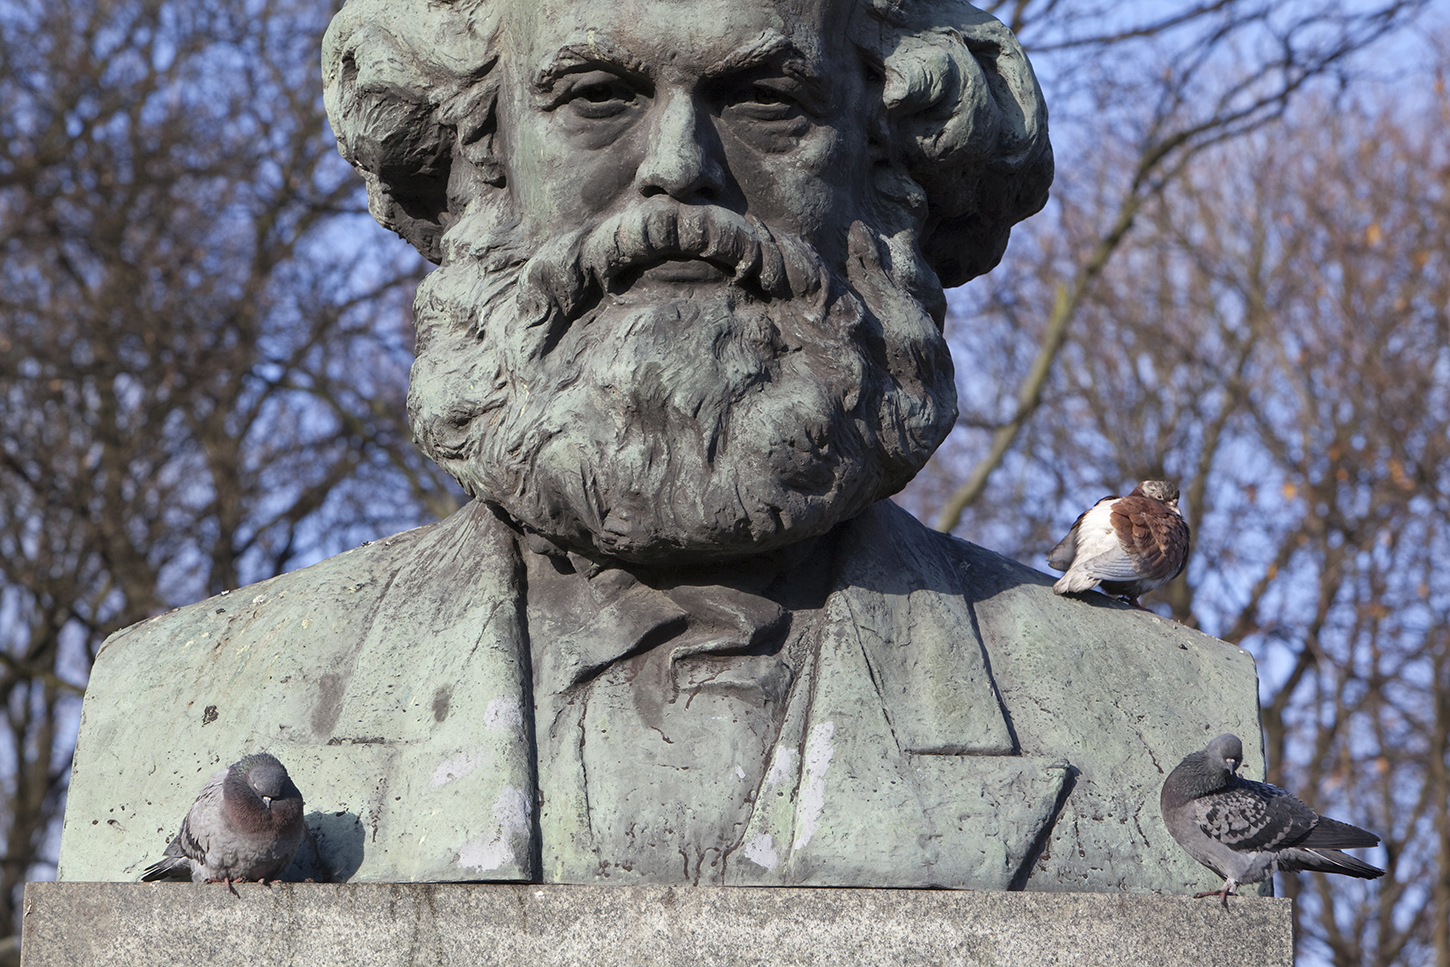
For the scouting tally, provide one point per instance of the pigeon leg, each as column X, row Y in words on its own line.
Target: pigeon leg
column 231, row 886
column 1128, row 600
column 1223, row 894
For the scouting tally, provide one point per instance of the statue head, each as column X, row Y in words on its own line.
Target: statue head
column 692, row 252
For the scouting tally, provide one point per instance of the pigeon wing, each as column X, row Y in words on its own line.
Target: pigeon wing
column 1250, row 816
column 189, row 845
column 1060, row 557
column 204, row 820
column 1152, row 535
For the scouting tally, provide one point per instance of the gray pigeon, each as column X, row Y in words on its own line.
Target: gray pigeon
column 1245, row 831
column 245, row 825
column 1128, row 546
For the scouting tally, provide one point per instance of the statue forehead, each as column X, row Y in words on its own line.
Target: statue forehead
column 672, row 31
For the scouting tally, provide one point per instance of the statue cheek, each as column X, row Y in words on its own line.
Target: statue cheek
column 598, row 179
column 805, row 189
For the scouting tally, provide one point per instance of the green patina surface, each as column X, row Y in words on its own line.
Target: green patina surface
column 389, row 681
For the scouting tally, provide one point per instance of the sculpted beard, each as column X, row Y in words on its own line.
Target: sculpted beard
column 679, row 423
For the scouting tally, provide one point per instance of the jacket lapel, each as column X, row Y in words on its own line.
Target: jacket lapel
column 895, row 742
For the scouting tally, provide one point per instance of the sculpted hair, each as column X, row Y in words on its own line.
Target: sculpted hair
column 411, row 91
column 967, row 127
column 410, row 88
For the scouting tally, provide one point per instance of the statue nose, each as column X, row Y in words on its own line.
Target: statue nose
column 682, row 158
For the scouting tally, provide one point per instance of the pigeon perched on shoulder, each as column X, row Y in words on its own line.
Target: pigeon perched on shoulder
column 245, row 825
column 1128, row 546
column 1245, row 831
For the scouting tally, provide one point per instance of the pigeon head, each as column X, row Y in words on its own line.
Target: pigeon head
column 267, row 777
column 1226, row 751
column 1206, row 771
column 1164, row 490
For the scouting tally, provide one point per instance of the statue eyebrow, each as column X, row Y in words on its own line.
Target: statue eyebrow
column 772, row 47
column 598, row 51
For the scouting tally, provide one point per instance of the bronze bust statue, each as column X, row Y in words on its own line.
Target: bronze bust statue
column 683, row 342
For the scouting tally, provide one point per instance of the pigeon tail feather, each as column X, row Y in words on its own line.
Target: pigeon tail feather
column 1333, row 834
column 170, row 868
column 1327, row 861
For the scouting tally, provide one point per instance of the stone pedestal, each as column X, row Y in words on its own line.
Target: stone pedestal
column 480, row 925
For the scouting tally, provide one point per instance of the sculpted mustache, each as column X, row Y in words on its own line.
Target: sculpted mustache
column 572, row 271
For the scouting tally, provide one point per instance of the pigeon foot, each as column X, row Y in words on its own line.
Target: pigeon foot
column 228, row 881
column 1223, row 894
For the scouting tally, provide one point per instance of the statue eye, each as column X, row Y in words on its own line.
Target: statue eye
column 764, row 100
column 760, row 94
column 601, row 95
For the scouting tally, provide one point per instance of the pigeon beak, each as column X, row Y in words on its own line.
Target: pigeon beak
column 1233, row 765
column 267, row 801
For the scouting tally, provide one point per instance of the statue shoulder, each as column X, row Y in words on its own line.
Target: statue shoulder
column 890, row 536
column 356, row 573
column 1013, row 605
column 343, row 589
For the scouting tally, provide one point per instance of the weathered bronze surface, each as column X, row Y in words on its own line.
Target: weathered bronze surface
column 683, row 342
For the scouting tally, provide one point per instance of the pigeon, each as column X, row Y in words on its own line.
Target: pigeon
column 245, row 825
column 1126, row 545
column 1245, row 831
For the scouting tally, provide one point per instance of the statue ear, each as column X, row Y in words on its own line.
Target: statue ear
column 970, row 126
column 400, row 117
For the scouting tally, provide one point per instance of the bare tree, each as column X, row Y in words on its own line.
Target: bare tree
column 201, row 359
column 1276, row 334
column 1194, row 89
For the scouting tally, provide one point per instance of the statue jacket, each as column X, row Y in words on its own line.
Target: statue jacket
column 955, row 724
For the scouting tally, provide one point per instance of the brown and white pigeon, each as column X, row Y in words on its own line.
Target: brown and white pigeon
column 245, row 825
column 1128, row 546
column 1245, row 831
